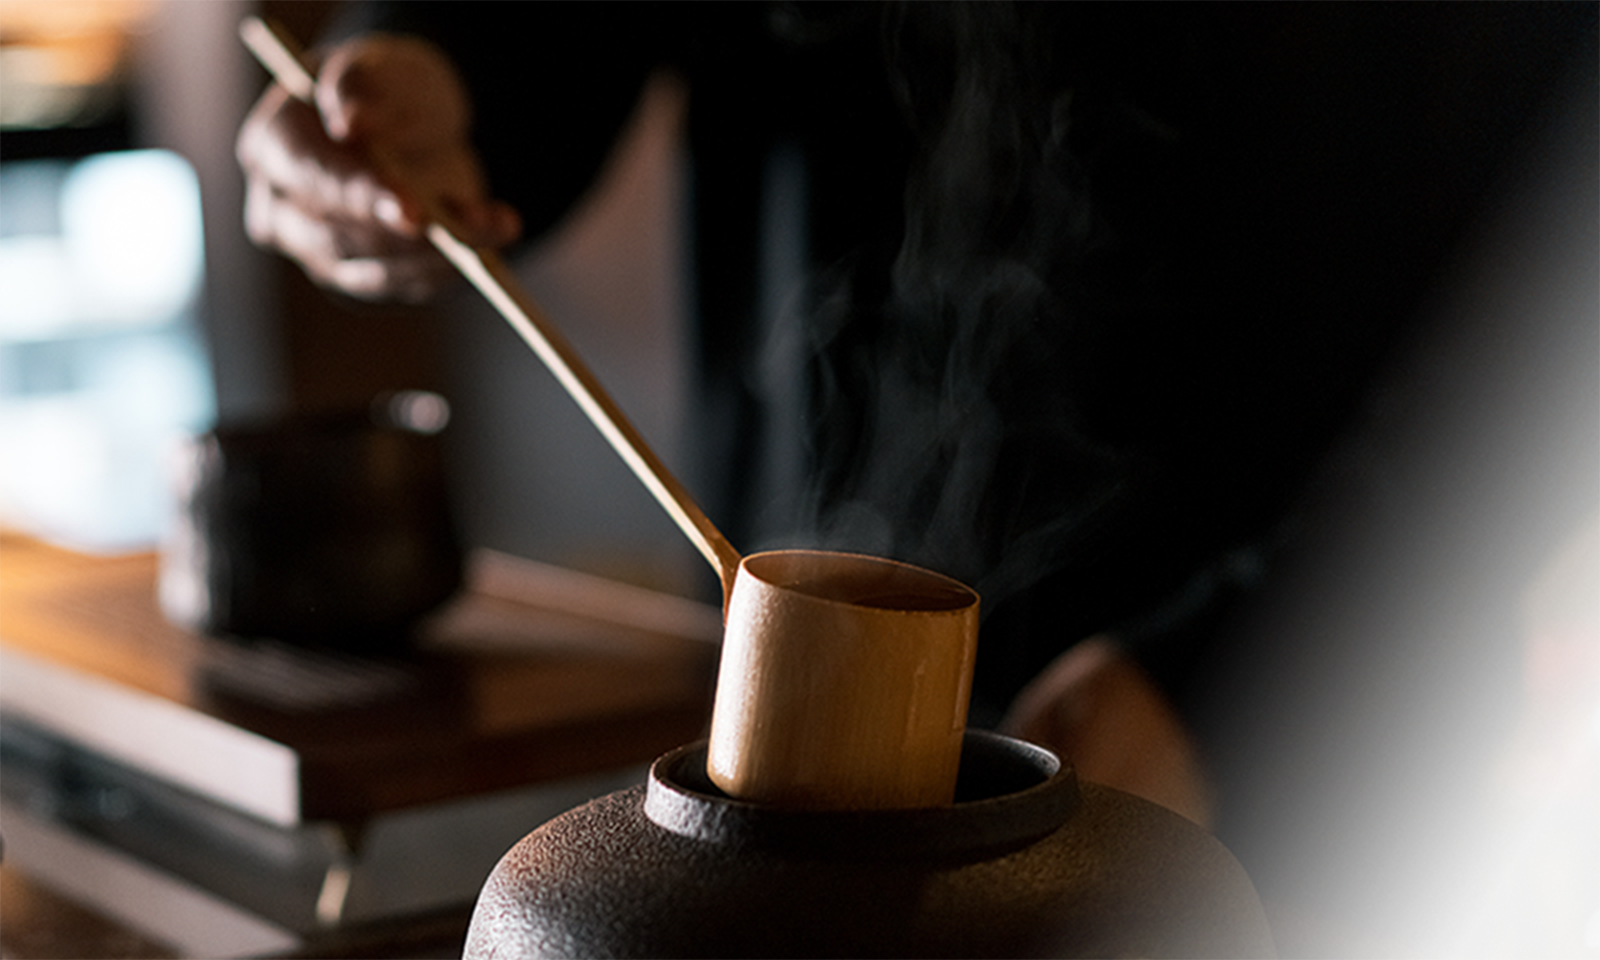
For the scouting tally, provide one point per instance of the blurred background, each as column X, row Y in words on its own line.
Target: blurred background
column 134, row 309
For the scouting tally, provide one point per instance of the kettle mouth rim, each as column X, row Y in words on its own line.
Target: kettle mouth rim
column 1010, row 793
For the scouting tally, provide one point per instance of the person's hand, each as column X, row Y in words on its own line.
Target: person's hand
column 343, row 187
column 1098, row 709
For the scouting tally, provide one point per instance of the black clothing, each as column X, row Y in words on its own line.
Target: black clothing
column 1087, row 297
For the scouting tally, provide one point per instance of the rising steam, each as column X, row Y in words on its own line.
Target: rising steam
column 949, row 437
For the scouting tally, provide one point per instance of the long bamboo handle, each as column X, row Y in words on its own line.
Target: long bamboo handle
column 487, row 272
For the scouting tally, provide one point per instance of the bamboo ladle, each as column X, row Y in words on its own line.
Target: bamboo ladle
column 844, row 679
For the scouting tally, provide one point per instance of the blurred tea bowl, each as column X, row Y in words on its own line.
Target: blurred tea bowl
column 329, row 530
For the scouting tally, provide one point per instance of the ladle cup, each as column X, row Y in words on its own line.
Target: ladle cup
column 844, row 683
column 844, row 679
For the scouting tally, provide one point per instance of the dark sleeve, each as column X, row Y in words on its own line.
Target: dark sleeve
column 552, row 85
column 1320, row 560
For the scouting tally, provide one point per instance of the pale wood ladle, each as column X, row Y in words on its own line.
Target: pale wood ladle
column 844, row 679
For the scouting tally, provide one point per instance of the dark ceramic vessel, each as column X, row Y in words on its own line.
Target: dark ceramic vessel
column 1028, row 862
column 332, row 531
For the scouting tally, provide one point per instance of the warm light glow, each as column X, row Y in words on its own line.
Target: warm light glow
column 56, row 55
column 34, row 21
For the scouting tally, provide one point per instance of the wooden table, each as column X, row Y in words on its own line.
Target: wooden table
column 531, row 676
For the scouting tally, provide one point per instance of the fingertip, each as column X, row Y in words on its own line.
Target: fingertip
column 496, row 225
column 365, row 279
column 507, row 224
column 412, row 280
column 331, row 103
column 391, row 213
column 351, row 94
